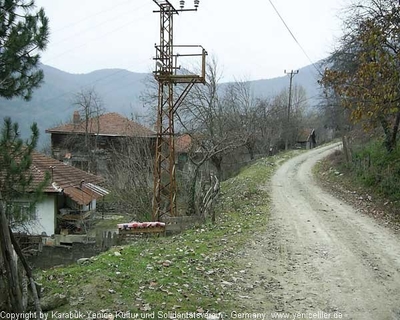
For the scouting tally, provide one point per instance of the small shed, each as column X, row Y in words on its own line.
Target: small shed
column 307, row 139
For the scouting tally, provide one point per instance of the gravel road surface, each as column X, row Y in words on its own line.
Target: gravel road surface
column 319, row 258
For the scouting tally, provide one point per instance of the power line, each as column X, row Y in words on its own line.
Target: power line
column 294, row 38
column 95, row 39
column 81, row 32
column 93, row 15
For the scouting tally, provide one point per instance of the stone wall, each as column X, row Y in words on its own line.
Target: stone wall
column 63, row 255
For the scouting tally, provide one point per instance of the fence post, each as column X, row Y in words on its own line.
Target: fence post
column 346, row 149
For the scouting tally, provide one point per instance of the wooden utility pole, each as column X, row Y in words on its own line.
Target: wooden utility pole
column 291, row 75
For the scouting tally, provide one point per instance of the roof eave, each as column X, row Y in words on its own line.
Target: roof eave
column 153, row 135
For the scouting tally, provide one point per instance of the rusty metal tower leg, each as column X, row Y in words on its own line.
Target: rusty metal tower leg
column 158, row 158
column 164, row 173
column 171, row 144
column 164, row 200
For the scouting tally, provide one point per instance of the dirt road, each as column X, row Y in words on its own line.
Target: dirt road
column 319, row 258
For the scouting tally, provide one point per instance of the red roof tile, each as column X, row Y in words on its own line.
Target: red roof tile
column 82, row 196
column 183, row 143
column 109, row 124
column 80, row 186
column 63, row 176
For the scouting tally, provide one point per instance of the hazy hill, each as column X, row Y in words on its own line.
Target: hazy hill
column 120, row 90
column 307, row 77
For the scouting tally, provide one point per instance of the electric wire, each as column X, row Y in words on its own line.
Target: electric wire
column 294, row 37
column 94, row 39
column 92, row 83
column 81, row 32
column 93, row 15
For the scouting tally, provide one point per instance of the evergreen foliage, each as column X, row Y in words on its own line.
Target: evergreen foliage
column 23, row 33
column 16, row 177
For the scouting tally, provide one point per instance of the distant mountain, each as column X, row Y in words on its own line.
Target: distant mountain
column 120, row 89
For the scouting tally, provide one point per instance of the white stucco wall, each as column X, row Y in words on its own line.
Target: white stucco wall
column 93, row 205
column 45, row 212
column 90, row 206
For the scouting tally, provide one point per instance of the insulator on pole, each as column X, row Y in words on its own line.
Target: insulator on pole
column 196, row 3
column 182, row 3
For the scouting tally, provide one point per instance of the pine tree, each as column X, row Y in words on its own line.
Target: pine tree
column 23, row 34
column 15, row 164
column 15, row 182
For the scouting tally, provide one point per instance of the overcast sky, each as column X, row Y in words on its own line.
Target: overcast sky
column 247, row 37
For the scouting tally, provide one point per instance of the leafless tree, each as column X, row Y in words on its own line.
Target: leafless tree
column 242, row 112
column 83, row 139
column 130, row 175
column 210, row 114
column 90, row 107
column 278, row 115
column 149, row 99
column 219, row 121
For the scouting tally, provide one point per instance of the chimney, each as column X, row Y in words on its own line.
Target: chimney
column 76, row 118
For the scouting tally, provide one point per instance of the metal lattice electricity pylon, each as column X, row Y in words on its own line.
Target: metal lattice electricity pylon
column 168, row 73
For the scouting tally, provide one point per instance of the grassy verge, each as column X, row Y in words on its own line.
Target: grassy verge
column 190, row 272
column 375, row 167
column 372, row 168
column 371, row 183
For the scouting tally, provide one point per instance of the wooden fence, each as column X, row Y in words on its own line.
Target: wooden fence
column 174, row 225
column 107, row 239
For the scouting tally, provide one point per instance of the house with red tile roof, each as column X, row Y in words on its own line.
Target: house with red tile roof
column 70, row 196
column 87, row 144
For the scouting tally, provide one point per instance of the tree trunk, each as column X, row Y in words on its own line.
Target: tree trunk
column 217, row 161
column 346, row 149
column 10, row 264
column 28, row 273
column 192, row 193
column 395, row 131
column 208, row 200
column 4, row 300
column 250, row 148
column 388, row 135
